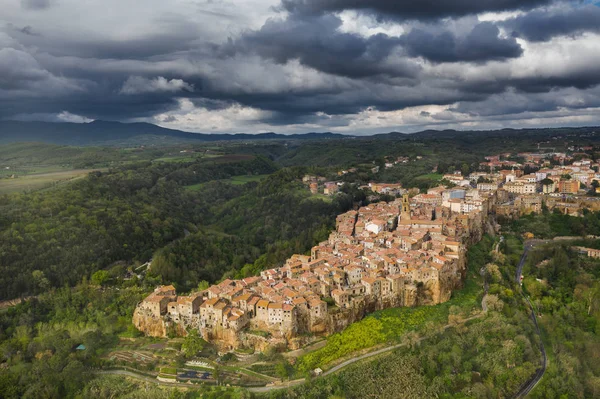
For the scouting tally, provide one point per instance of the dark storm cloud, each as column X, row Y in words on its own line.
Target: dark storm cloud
column 543, row 25
column 316, row 42
column 482, row 44
column 305, row 67
column 298, row 105
column 411, row 9
column 513, row 102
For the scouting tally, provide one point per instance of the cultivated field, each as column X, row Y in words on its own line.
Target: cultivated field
column 39, row 181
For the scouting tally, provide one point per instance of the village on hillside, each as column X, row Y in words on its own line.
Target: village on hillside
column 408, row 252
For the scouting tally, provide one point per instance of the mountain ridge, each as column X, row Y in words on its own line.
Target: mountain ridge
column 119, row 133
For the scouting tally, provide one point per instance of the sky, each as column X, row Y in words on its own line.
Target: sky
column 294, row 66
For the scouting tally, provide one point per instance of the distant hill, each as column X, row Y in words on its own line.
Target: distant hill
column 102, row 132
column 122, row 134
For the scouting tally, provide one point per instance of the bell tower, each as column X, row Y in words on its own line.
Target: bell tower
column 405, row 212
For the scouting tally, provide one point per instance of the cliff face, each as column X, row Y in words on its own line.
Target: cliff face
column 151, row 326
column 342, row 318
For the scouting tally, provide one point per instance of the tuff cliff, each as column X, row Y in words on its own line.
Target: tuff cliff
column 150, row 325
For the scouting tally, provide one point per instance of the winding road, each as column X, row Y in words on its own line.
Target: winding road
column 529, row 385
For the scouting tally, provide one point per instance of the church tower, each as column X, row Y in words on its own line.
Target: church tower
column 405, row 212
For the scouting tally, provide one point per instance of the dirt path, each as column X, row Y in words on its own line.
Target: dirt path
column 305, row 350
column 13, row 302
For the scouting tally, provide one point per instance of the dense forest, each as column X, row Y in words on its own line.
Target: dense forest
column 127, row 213
column 261, row 228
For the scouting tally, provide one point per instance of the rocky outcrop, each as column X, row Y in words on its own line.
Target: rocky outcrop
column 150, row 325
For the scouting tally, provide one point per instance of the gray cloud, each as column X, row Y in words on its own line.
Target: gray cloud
column 316, row 42
column 410, row 9
column 543, row 25
column 483, row 43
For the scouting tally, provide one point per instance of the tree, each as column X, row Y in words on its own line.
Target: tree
column 494, row 303
column 100, row 277
column 465, row 169
column 40, row 280
column 192, row 344
column 217, row 374
column 547, row 182
column 494, row 272
column 284, row 370
column 588, row 295
column 202, row 285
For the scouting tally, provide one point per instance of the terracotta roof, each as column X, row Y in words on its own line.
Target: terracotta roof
column 243, row 297
column 155, row 298
column 263, row 303
column 210, row 302
column 316, row 302
column 299, row 301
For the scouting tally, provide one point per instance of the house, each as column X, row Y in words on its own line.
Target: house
column 375, row 226
column 330, row 188
column 520, row 187
column 568, row 186
column 341, row 298
column 372, row 285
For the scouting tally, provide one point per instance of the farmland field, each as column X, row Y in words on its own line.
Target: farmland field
column 38, row 181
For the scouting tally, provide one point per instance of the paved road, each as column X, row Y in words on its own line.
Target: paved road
column 529, row 385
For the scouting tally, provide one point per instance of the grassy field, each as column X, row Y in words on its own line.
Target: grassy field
column 239, row 180
column 431, row 176
column 322, row 197
column 30, row 170
column 39, row 181
column 176, row 158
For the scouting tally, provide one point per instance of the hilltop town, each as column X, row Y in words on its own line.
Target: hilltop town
column 404, row 253
column 408, row 252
